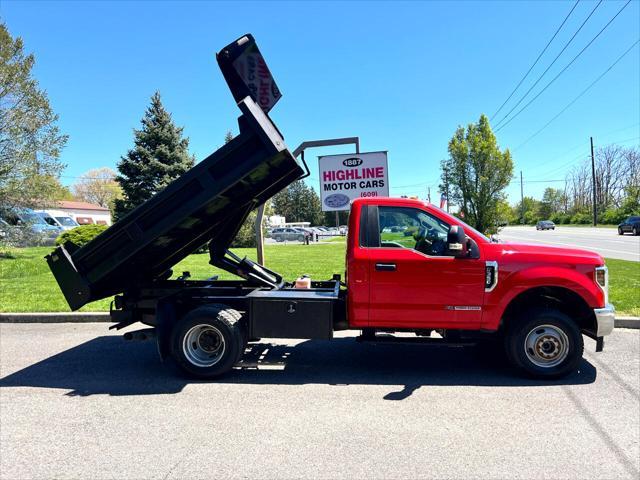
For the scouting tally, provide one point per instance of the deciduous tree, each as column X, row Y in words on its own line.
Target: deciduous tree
column 30, row 140
column 98, row 186
column 478, row 173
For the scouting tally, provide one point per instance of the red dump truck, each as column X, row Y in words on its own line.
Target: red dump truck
column 410, row 267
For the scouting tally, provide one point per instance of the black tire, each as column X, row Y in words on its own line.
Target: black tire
column 222, row 328
column 620, row 232
column 635, row 231
column 556, row 331
column 301, row 238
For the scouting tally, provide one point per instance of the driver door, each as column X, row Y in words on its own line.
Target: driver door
column 413, row 283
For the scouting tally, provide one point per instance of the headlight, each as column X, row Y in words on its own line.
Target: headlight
column 602, row 279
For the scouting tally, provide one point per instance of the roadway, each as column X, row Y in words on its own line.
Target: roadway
column 80, row 402
column 605, row 241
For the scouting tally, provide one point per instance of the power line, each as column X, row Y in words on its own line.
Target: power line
column 578, row 97
column 583, row 156
column 581, row 144
column 565, row 68
column 537, row 59
column 550, row 65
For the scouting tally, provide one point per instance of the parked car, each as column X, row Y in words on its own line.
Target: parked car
column 545, row 225
column 28, row 228
column 630, row 225
column 288, row 234
column 58, row 218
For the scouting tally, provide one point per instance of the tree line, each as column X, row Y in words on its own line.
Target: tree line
column 617, row 184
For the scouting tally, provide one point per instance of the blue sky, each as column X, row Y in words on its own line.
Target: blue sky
column 401, row 76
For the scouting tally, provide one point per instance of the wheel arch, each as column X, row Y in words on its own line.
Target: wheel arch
column 560, row 298
column 169, row 312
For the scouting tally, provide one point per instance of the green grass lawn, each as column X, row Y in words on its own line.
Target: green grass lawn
column 26, row 284
column 624, row 286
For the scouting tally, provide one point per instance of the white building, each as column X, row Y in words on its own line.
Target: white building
column 86, row 213
column 275, row 221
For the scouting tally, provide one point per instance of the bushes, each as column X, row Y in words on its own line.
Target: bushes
column 561, row 218
column 612, row 216
column 581, row 218
column 81, row 235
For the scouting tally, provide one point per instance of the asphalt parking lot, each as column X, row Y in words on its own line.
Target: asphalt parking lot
column 605, row 241
column 79, row 402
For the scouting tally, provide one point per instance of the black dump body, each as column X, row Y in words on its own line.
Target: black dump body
column 208, row 204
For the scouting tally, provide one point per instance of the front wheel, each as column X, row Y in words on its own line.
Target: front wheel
column 208, row 341
column 544, row 344
column 620, row 232
column 635, row 231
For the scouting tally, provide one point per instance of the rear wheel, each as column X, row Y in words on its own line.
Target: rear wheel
column 545, row 343
column 301, row 238
column 209, row 341
column 620, row 232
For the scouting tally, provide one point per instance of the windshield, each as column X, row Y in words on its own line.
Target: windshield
column 67, row 221
column 29, row 217
column 49, row 220
column 469, row 227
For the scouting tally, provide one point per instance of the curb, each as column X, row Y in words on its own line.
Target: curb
column 90, row 317
column 627, row 322
column 55, row 317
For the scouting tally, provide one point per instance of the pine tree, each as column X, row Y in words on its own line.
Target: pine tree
column 159, row 156
column 299, row 203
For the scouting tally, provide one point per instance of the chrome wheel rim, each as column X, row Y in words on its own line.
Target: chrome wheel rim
column 203, row 345
column 546, row 346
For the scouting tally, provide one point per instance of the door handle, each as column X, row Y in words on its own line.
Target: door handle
column 386, row 267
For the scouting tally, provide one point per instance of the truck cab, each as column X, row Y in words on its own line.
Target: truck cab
column 411, row 266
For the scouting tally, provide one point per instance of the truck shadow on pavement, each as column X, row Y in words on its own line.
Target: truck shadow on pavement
column 109, row 365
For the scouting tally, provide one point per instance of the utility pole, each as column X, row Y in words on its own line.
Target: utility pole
column 446, row 187
column 259, row 235
column 593, row 186
column 521, row 200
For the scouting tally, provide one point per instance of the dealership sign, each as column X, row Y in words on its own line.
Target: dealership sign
column 344, row 178
column 254, row 72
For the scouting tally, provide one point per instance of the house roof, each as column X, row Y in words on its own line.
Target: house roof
column 70, row 204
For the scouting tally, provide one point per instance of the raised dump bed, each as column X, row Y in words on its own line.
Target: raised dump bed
column 207, row 204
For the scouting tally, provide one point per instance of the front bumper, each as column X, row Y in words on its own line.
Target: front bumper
column 605, row 320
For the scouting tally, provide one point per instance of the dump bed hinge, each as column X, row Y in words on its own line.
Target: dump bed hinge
column 247, row 269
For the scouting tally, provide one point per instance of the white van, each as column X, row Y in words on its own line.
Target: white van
column 58, row 218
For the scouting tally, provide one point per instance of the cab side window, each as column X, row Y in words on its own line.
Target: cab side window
column 403, row 227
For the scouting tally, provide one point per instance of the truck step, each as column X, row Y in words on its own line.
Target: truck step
column 415, row 340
